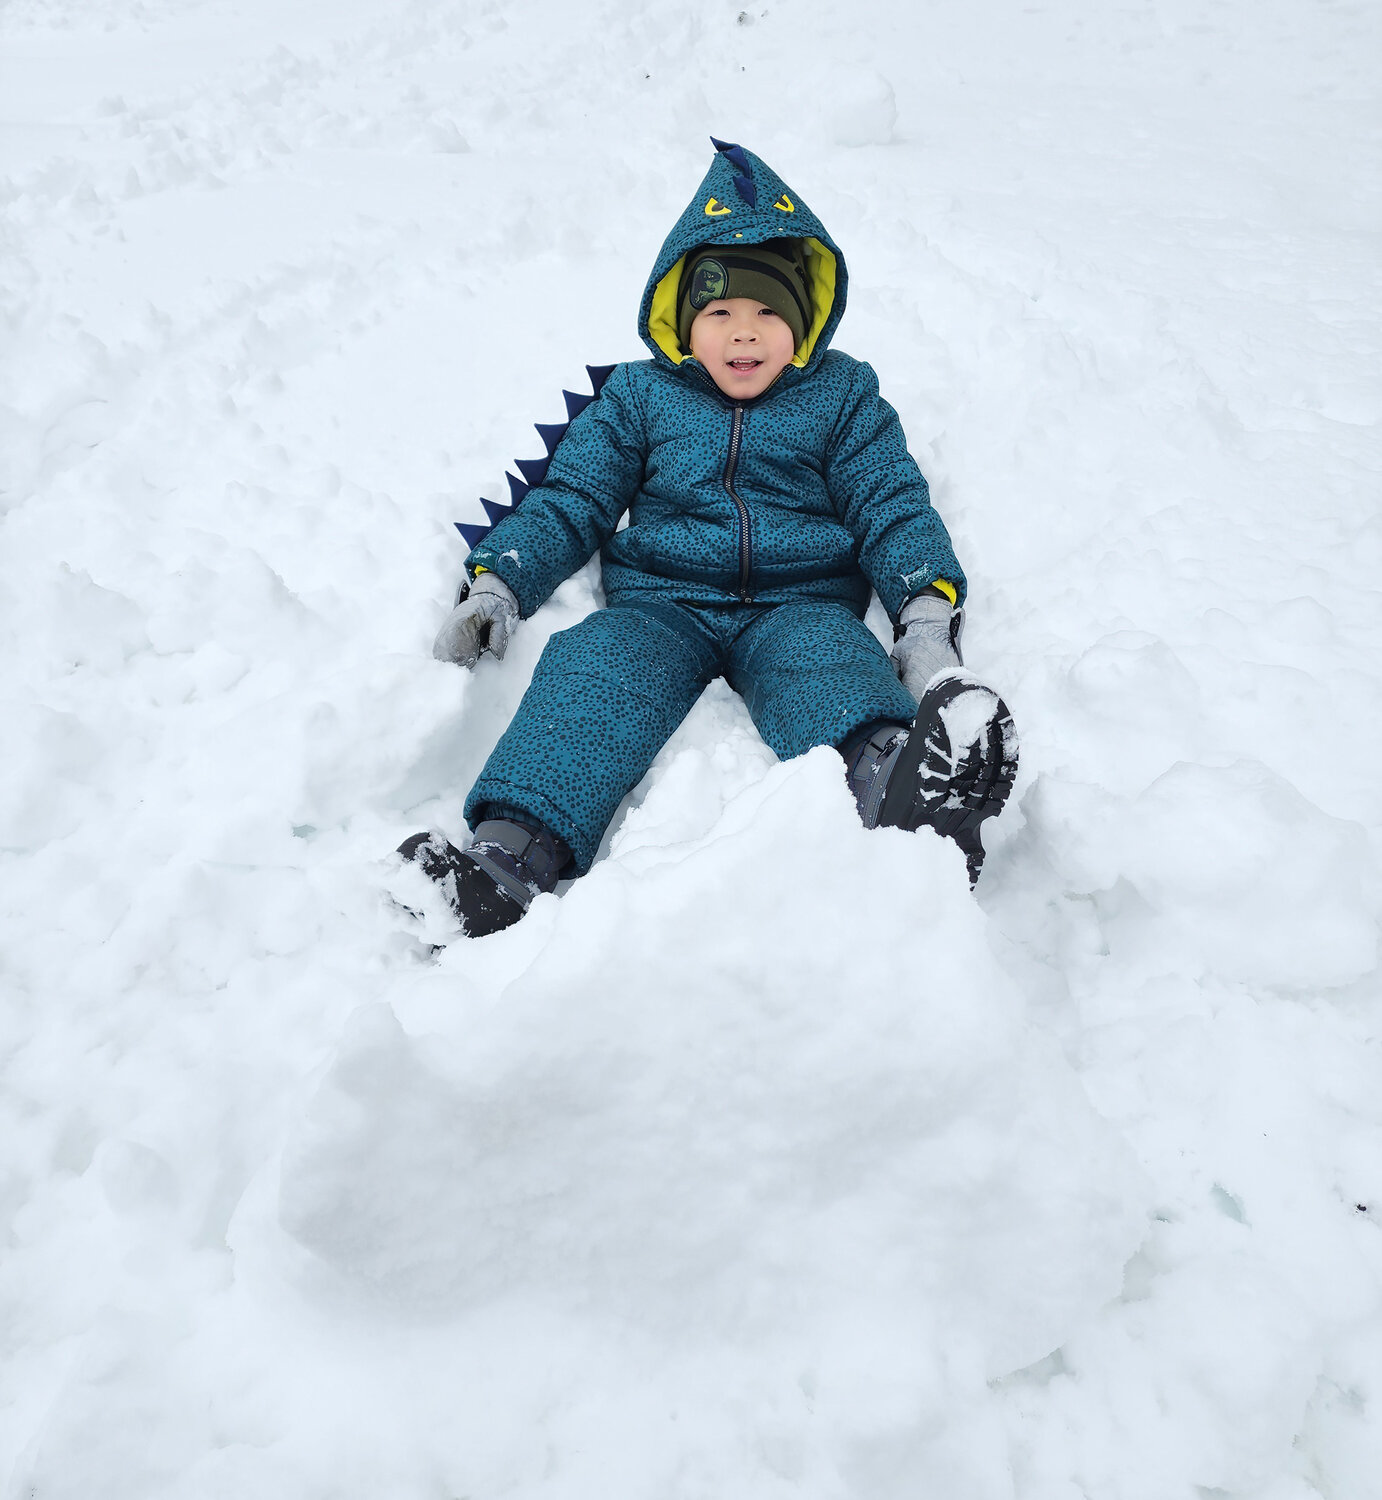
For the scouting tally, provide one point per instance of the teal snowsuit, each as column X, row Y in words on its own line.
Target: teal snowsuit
column 755, row 531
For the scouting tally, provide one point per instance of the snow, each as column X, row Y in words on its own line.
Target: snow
column 765, row 1160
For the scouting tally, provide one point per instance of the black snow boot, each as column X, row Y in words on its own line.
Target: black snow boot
column 950, row 771
column 491, row 884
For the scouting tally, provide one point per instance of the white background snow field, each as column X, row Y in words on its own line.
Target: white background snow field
column 765, row 1162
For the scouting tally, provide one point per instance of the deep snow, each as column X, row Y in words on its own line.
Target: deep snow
column 765, row 1161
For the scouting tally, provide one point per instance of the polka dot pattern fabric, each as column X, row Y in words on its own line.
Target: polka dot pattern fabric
column 807, row 492
column 608, row 693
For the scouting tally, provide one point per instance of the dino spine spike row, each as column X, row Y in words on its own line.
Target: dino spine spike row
column 534, row 470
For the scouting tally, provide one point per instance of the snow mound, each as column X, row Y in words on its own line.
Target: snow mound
column 846, row 1154
column 595, row 1132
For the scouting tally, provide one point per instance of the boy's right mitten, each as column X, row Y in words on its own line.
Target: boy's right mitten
column 930, row 642
column 480, row 622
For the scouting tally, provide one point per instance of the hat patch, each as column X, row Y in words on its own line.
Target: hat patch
column 709, row 283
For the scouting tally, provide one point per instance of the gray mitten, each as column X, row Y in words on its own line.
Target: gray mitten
column 481, row 621
column 930, row 642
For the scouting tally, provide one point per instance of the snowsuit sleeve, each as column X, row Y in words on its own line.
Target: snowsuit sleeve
column 883, row 498
column 559, row 525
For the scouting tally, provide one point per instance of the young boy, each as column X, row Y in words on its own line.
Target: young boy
column 767, row 487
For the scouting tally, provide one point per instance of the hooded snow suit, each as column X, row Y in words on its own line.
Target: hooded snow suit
column 755, row 530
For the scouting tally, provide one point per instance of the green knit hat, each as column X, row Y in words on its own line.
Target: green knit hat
column 773, row 273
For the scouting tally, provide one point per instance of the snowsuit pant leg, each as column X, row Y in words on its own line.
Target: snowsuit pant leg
column 811, row 673
column 605, row 697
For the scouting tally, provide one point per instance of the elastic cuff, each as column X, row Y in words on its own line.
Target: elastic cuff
column 496, row 798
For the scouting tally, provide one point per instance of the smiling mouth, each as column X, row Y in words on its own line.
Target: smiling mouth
column 744, row 365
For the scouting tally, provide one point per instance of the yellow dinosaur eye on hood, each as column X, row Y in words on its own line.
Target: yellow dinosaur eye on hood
column 714, row 209
column 785, row 204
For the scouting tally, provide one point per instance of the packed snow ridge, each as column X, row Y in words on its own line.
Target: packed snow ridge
column 764, row 1161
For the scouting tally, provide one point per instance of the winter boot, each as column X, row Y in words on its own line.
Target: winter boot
column 952, row 769
column 490, row 885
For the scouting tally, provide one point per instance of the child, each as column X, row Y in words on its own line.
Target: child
column 767, row 486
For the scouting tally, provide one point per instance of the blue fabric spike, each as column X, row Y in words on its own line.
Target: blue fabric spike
column 534, row 470
column 473, row 535
column 495, row 512
column 517, row 489
column 575, row 404
column 598, row 375
column 551, row 434
column 743, row 173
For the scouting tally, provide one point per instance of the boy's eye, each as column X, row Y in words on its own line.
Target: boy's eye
column 766, row 312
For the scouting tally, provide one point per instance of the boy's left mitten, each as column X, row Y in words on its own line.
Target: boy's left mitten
column 929, row 643
column 480, row 622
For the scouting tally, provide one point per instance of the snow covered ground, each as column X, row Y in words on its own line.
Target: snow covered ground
column 765, row 1161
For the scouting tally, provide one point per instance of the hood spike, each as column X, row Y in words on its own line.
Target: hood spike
column 744, row 184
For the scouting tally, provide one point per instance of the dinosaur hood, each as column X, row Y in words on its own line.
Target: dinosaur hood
column 743, row 202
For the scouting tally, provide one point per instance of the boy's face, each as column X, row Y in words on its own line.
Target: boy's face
column 743, row 344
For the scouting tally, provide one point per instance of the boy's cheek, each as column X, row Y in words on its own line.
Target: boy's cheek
column 702, row 346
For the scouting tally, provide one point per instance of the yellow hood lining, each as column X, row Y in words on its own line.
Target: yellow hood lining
column 820, row 266
column 662, row 315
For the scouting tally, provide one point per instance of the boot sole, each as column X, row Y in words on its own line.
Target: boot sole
column 950, row 788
